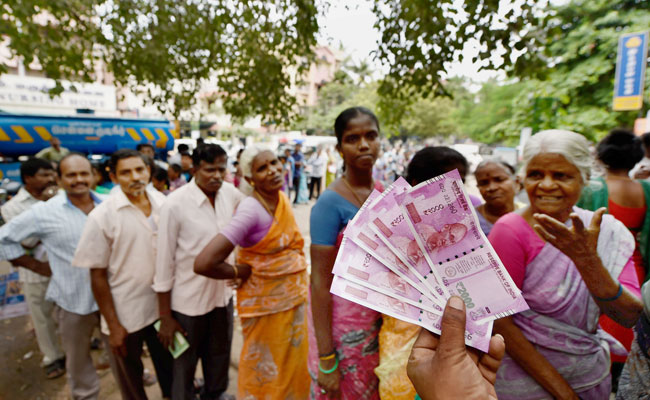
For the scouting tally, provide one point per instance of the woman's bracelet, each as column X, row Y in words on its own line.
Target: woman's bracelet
column 329, row 371
column 235, row 270
column 616, row 296
column 327, row 356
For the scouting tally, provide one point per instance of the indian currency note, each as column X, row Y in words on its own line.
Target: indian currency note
column 356, row 265
column 476, row 335
column 447, row 231
column 388, row 224
column 358, row 231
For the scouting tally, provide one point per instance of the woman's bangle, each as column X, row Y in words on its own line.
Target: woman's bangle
column 327, row 356
column 329, row 371
column 616, row 296
column 235, row 270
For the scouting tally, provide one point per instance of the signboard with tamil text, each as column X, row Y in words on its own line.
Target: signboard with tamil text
column 630, row 71
column 31, row 93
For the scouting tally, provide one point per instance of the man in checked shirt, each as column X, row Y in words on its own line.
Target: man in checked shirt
column 58, row 223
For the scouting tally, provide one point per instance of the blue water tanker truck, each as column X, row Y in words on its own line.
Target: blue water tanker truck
column 28, row 134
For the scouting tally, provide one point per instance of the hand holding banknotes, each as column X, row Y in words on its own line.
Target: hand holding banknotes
column 168, row 328
column 442, row 367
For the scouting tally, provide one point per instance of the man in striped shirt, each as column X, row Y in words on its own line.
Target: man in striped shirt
column 39, row 180
column 58, row 224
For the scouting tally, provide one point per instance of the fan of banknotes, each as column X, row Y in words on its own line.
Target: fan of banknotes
column 409, row 248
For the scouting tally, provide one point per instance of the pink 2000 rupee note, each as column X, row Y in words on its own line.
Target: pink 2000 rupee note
column 477, row 336
column 359, row 232
column 387, row 222
column 447, row 231
column 356, row 265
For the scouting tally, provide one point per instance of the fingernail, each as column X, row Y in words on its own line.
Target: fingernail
column 499, row 335
column 456, row 302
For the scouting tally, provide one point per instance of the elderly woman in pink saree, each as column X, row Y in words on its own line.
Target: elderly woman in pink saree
column 572, row 265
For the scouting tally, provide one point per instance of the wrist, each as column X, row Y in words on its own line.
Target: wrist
column 329, row 366
column 328, row 355
column 165, row 314
column 114, row 327
column 610, row 293
column 587, row 260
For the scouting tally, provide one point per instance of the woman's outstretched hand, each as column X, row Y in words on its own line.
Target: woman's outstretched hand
column 577, row 242
column 442, row 367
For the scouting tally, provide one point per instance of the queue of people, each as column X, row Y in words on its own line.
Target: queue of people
column 144, row 268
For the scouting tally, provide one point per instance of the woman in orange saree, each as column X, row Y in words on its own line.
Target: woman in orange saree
column 271, row 276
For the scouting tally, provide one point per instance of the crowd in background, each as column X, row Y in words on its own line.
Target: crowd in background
column 145, row 250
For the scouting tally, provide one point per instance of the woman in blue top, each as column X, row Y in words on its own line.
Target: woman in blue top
column 343, row 336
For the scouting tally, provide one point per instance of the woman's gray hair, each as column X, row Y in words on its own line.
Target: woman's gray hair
column 247, row 157
column 573, row 146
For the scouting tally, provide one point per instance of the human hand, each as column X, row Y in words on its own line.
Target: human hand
column 234, row 283
column 642, row 173
column 243, row 273
column 32, row 264
column 168, row 328
column 577, row 242
column 444, row 368
column 117, row 339
column 329, row 383
column 42, row 268
column 49, row 192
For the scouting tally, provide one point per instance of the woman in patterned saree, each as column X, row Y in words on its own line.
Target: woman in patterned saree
column 343, row 349
column 572, row 265
column 271, row 275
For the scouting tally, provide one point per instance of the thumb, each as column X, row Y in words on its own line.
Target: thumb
column 452, row 336
column 598, row 218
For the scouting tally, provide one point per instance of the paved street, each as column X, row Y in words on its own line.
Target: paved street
column 23, row 379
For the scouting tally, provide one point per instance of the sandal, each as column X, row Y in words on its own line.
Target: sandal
column 56, row 369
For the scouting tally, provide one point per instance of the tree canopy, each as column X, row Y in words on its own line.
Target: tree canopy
column 574, row 88
column 560, row 59
column 565, row 55
column 423, row 117
column 421, row 38
column 167, row 49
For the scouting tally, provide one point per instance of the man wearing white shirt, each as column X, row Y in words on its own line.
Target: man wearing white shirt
column 118, row 245
column 197, row 306
column 58, row 224
column 318, row 162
